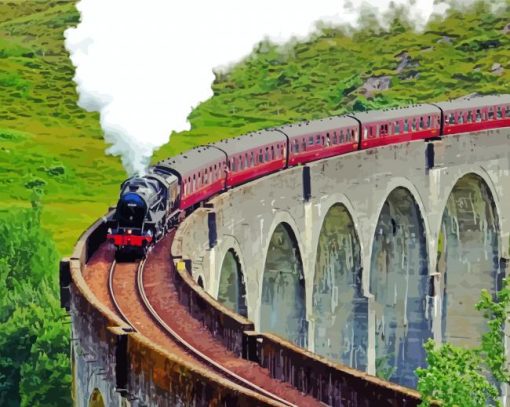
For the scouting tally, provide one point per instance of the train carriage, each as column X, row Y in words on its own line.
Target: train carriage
column 201, row 173
column 317, row 139
column 151, row 203
column 253, row 155
column 475, row 114
column 383, row 127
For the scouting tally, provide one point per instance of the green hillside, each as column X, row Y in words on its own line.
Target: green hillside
column 52, row 152
column 48, row 143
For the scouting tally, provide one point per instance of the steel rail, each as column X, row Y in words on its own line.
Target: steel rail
column 114, row 300
column 195, row 352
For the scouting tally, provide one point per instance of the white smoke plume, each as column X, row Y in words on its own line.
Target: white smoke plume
column 143, row 65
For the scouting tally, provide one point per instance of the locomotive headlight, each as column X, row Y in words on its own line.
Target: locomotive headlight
column 129, row 231
column 109, row 231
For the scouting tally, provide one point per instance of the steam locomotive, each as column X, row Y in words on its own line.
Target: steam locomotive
column 149, row 205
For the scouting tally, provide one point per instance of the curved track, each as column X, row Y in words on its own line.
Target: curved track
column 111, row 290
column 136, row 269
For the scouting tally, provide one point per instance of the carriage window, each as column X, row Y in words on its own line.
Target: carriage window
column 355, row 134
column 252, row 159
column 422, row 123
column 406, row 125
column 500, row 115
column 341, row 138
column 318, row 139
column 233, row 164
column 397, row 127
column 267, row 154
column 413, row 126
column 261, row 158
column 429, row 122
column 334, row 138
column 365, row 134
column 507, row 111
column 272, row 153
column 470, row 116
column 478, row 115
column 461, row 118
column 491, row 113
column 451, row 118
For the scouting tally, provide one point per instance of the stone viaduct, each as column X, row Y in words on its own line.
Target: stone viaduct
column 359, row 259
column 389, row 247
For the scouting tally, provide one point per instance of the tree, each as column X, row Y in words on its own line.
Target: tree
column 469, row 377
column 34, row 343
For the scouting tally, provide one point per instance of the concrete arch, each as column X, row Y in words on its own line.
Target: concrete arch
column 283, row 296
column 399, row 284
column 482, row 173
column 393, row 184
column 340, row 312
column 231, row 284
column 278, row 217
column 328, row 203
column 226, row 243
column 468, row 256
column 96, row 399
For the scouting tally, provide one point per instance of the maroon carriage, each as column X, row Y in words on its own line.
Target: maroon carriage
column 475, row 114
column 201, row 173
column 382, row 127
column 316, row 139
column 253, row 155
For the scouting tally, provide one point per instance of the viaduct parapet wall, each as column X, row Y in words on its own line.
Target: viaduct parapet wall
column 114, row 366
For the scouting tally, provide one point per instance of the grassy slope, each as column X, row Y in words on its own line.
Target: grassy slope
column 42, row 132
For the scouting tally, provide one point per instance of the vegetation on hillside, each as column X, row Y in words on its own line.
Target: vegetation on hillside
column 334, row 73
column 50, row 146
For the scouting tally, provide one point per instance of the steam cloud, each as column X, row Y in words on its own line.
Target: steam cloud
column 143, row 65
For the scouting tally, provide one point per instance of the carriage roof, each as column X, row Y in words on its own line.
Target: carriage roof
column 250, row 141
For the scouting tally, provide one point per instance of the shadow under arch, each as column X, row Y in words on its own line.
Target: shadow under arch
column 96, row 399
column 283, row 306
column 467, row 258
column 399, row 283
column 232, row 288
column 339, row 308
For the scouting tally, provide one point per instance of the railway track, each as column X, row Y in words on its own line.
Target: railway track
column 186, row 346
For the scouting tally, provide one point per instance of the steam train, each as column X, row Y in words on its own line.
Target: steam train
column 149, row 205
